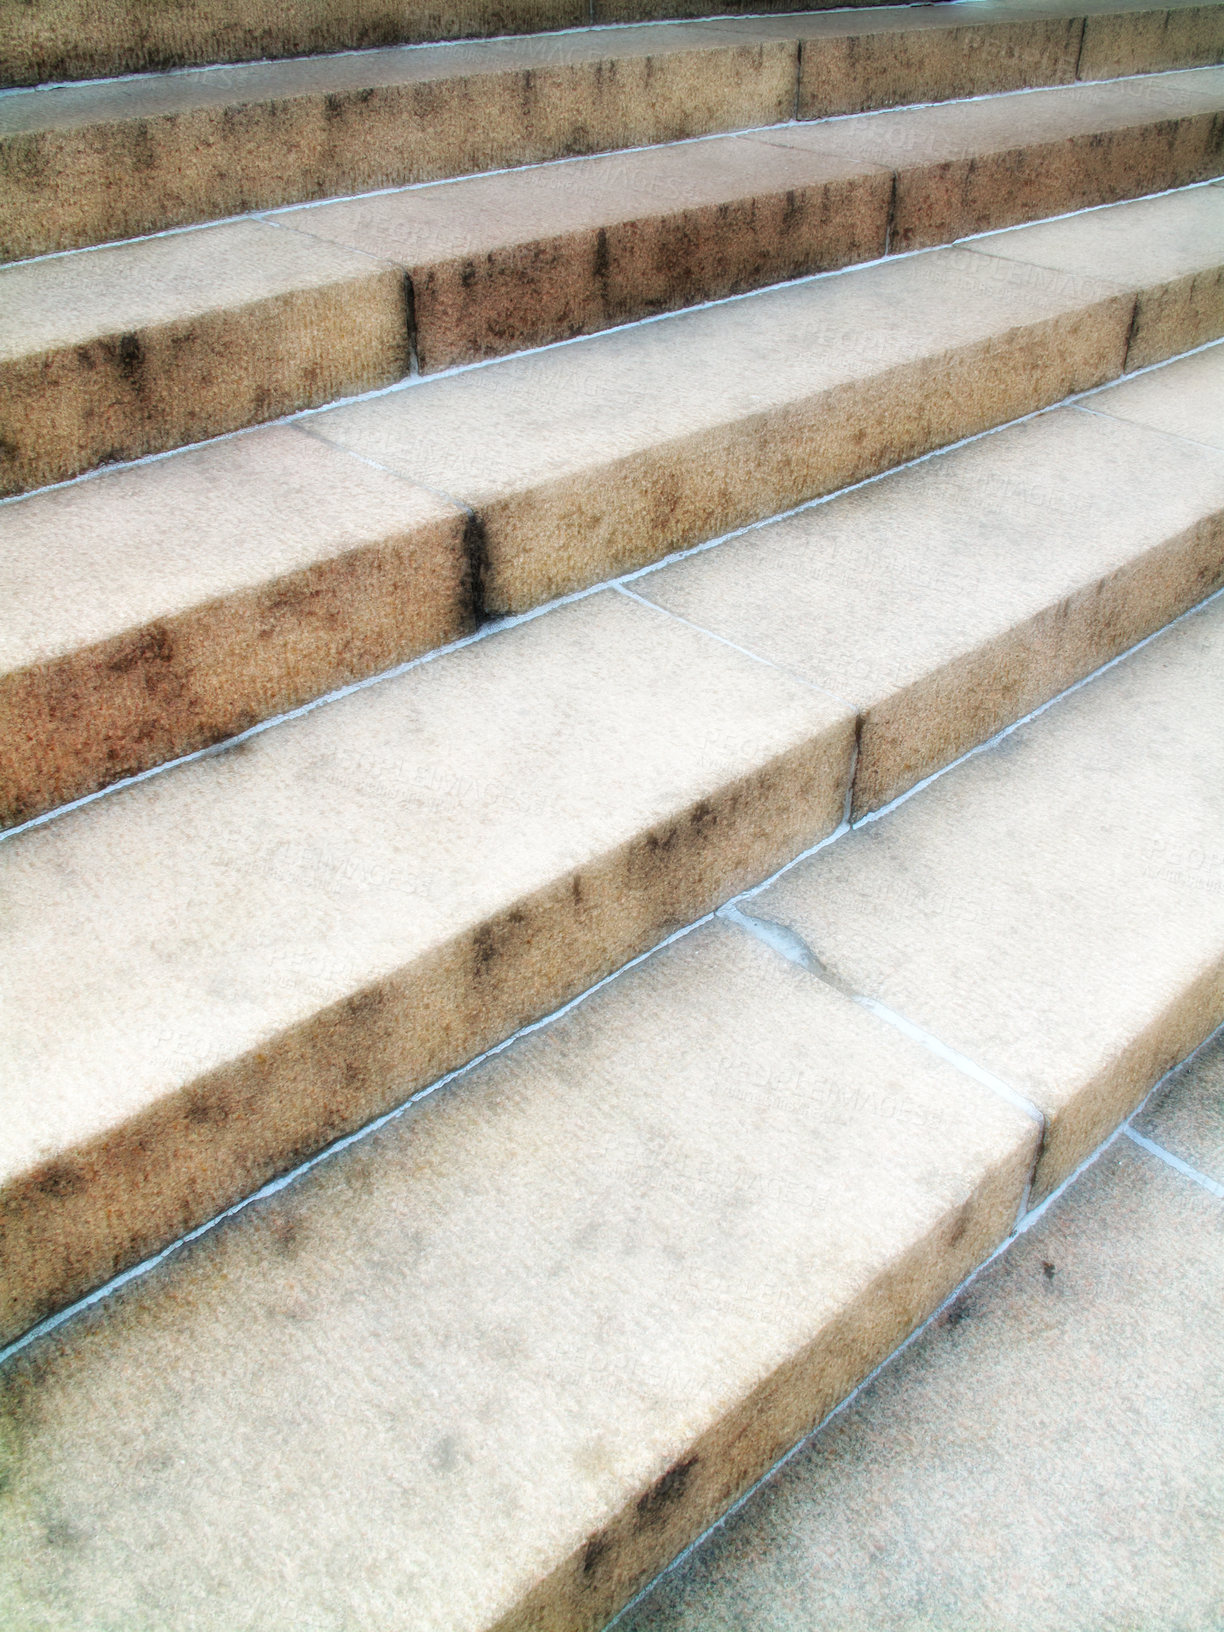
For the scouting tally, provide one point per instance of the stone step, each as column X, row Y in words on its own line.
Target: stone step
column 119, row 352
column 285, row 939
column 1071, row 946
column 998, row 1472
column 947, row 600
column 154, row 610
column 70, row 39
column 496, row 1364
column 85, row 164
column 492, row 1366
column 221, row 968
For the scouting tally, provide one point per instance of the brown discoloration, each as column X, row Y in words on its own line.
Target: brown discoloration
column 86, row 717
column 158, row 1170
column 465, row 114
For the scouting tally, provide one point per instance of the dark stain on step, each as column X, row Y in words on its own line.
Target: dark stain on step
column 665, row 1492
column 593, row 1553
column 1048, row 1270
column 131, row 357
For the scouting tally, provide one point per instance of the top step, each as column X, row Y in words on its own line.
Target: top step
column 87, row 164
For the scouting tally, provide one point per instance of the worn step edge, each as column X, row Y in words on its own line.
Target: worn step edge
column 201, row 145
column 219, row 969
column 76, row 42
column 244, row 323
column 732, row 1193
column 1039, row 912
column 165, row 649
column 1110, row 603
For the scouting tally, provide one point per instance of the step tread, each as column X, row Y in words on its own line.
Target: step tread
column 266, row 947
column 945, row 601
column 1003, row 1467
column 500, row 1355
column 579, row 462
column 217, row 142
column 1056, row 942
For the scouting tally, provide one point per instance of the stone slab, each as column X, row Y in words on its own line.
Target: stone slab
column 75, row 39
column 82, row 164
column 1019, row 908
column 132, row 350
column 502, row 263
column 210, row 973
column 1166, row 249
column 1047, row 1454
column 601, row 456
column 948, row 600
column 1185, row 398
column 493, row 1365
column 153, row 611
column 1187, row 1116
column 1150, row 38
column 991, row 162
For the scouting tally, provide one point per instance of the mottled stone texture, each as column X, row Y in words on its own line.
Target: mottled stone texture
column 84, row 164
column 154, row 611
column 1047, row 1455
column 1037, row 908
column 495, row 1365
column 1187, row 1116
column 129, row 351
column 501, row 263
column 215, row 971
column 591, row 459
column 88, row 39
column 948, row 600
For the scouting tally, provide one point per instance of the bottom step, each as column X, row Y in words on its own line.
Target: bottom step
column 493, row 1366
column 1047, row 1455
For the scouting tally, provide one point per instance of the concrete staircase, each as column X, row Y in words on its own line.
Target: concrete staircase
column 428, row 611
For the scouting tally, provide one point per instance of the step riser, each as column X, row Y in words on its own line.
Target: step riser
column 901, row 65
column 282, row 142
column 213, row 161
column 154, row 388
column 72, row 39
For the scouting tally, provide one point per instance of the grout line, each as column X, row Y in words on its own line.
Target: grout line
column 711, row 634
column 1175, row 1162
column 1079, row 52
column 788, row 943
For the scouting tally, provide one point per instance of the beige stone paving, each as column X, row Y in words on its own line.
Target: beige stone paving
column 213, row 972
column 1186, row 398
column 155, row 610
column 1165, row 249
column 128, row 351
column 215, row 142
column 1187, row 1116
column 947, row 600
column 590, row 459
column 491, row 1367
column 1035, row 908
column 1048, row 1454
column 967, row 167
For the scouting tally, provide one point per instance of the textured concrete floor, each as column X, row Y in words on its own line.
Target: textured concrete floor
column 1048, row 1454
